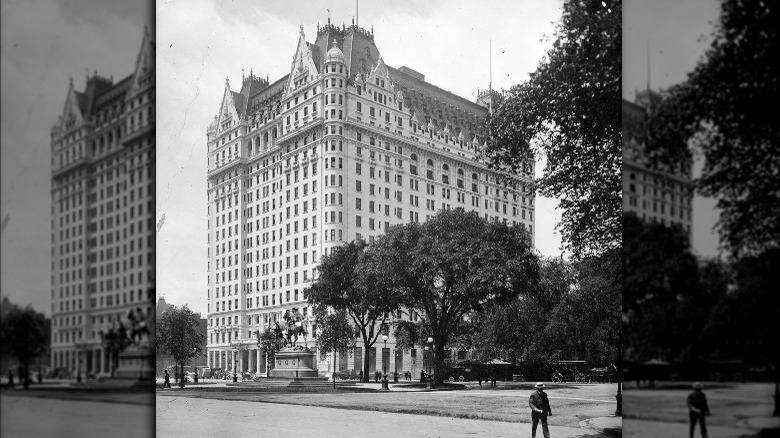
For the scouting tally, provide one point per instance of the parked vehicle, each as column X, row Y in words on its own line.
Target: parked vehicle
column 568, row 371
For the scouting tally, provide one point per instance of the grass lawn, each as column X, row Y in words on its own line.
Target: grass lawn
column 729, row 403
column 507, row 403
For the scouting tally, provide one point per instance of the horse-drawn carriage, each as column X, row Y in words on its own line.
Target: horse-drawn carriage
column 568, row 371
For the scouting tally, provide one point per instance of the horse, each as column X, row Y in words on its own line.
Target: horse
column 295, row 327
column 602, row 374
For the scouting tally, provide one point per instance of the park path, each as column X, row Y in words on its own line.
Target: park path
column 195, row 417
column 24, row 416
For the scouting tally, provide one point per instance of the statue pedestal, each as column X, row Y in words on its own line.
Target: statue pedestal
column 292, row 363
column 136, row 363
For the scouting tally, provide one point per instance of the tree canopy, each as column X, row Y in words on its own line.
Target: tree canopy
column 452, row 264
column 336, row 333
column 658, row 266
column 24, row 335
column 343, row 284
column 179, row 334
column 722, row 109
column 569, row 111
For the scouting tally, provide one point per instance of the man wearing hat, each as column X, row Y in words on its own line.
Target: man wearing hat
column 698, row 409
column 540, row 408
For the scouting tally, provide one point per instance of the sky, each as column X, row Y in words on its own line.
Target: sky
column 43, row 44
column 679, row 33
column 201, row 42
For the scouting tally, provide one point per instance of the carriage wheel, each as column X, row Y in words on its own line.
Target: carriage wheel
column 461, row 379
column 579, row 378
column 451, row 379
column 557, row 377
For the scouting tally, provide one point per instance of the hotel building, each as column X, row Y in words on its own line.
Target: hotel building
column 652, row 194
column 102, row 188
column 339, row 149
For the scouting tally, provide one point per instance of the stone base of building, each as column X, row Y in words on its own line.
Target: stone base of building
column 294, row 362
column 136, row 363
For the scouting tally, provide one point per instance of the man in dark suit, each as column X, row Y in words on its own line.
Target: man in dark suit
column 540, row 408
column 698, row 409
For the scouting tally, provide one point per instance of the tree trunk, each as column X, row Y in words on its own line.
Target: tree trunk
column 26, row 376
column 366, row 359
column 181, row 380
column 438, row 362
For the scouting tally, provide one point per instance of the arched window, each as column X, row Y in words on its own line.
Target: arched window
column 460, row 178
column 475, row 183
column 445, row 176
column 413, row 164
column 429, row 171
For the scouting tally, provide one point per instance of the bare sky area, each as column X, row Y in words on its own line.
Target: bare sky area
column 678, row 32
column 44, row 43
column 201, row 42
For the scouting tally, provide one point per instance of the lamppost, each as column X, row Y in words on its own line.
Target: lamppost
column 395, row 359
column 384, row 377
column 433, row 355
column 80, row 347
column 235, row 356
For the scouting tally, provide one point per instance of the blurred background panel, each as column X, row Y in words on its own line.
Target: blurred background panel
column 701, row 240
column 77, row 216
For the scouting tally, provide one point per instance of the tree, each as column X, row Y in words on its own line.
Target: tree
column 336, row 333
column 515, row 331
column 658, row 267
column 721, row 108
column 178, row 335
column 343, row 285
column 569, row 110
column 24, row 337
column 451, row 265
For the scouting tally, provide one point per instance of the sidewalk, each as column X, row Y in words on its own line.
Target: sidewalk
column 206, row 417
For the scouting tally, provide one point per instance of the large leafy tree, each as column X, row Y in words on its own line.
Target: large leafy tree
column 343, row 285
column 178, row 335
column 24, row 336
column 451, row 265
column 722, row 109
column 516, row 331
column 569, row 111
column 336, row 334
column 658, row 269
column 586, row 323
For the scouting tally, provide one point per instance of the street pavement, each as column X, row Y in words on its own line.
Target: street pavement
column 26, row 416
column 195, row 417
column 634, row 428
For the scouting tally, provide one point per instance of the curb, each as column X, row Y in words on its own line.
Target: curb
column 613, row 432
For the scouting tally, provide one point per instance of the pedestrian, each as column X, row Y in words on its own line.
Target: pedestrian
column 698, row 409
column 540, row 409
column 10, row 379
column 479, row 378
column 167, row 381
column 361, row 375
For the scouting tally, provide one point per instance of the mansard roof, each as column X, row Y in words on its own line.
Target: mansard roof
column 445, row 109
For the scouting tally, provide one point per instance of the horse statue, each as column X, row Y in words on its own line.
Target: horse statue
column 296, row 326
column 138, row 329
column 279, row 339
